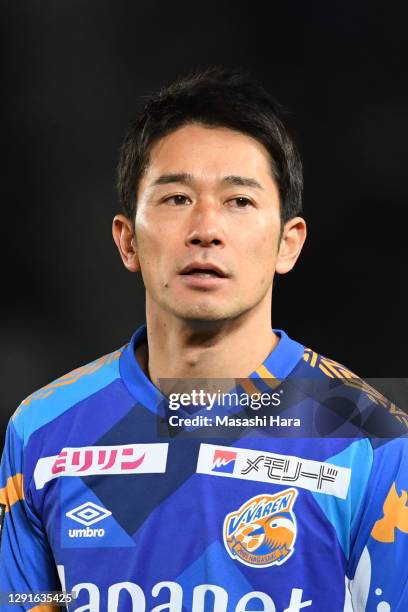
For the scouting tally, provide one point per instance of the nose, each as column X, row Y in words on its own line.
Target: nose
column 205, row 227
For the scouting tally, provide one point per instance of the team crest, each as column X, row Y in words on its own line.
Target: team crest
column 262, row 532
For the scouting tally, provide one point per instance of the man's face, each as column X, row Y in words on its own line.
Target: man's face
column 207, row 224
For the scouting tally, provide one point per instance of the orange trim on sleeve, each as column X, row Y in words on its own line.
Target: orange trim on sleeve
column 13, row 491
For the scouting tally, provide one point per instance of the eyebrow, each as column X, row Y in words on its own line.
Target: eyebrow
column 184, row 177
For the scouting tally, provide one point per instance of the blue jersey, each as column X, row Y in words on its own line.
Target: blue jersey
column 101, row 497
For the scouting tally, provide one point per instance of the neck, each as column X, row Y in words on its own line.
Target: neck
column 206, row 349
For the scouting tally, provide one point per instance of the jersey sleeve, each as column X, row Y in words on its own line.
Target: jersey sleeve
column 26, row 561
column 378, row 568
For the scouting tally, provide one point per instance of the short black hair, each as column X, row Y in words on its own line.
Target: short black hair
column 216, row 97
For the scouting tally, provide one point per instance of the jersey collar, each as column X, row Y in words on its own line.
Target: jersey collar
column 279, row 364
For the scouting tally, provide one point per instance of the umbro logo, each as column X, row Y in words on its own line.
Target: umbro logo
column 87, row 514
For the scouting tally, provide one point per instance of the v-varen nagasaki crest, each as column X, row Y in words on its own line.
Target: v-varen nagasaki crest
column 262, row 532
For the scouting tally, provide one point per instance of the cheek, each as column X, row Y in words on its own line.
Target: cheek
column 147, row 236
column 153, row 233
column 147, row 255
column 259, row 261
column 154, row 252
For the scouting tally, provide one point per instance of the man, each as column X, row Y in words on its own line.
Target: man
column 132, row 496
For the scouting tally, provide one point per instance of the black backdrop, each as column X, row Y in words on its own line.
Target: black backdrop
column 72, row 73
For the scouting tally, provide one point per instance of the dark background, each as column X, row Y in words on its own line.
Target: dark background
column 72, row 75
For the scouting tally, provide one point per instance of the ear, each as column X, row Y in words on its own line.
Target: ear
column 125, row 240
column 293, row 238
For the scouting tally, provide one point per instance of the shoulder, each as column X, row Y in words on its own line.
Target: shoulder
column 324, row 365
column 344, row 383
column 50, row 401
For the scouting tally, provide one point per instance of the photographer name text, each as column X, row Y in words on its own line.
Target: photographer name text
column 228, row 421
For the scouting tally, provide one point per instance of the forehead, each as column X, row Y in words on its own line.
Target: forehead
column 210, row 152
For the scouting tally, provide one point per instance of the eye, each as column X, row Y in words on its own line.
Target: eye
column 241, row 202
column 177, row 200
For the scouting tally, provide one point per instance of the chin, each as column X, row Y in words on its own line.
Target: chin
column 198, row 315
column 207, row 313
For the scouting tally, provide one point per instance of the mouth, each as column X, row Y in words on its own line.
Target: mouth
column 203, row 271
column 203, row 276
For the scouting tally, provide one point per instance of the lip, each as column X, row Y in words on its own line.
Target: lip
column 211, row 282
column 195, row 265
